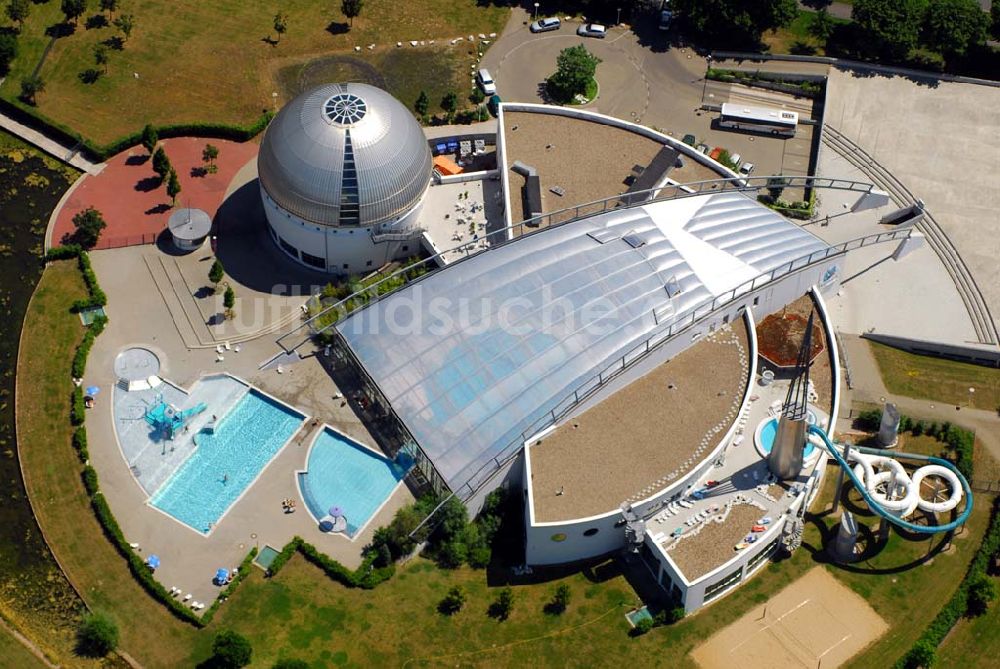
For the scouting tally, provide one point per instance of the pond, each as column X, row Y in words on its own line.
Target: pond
column 33, row 591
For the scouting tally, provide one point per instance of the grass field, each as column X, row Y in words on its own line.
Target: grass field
column 302, row 612
column 947, row 381
column 209, row 61
column 13, row 654
column 402, row 72
column 796, row 34
column 974, row 642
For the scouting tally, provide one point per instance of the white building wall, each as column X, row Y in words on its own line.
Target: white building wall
column 347, row 250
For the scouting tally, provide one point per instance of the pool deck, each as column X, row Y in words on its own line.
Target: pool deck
column 139, row 316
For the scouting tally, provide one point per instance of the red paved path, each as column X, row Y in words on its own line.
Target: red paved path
column 136, row 213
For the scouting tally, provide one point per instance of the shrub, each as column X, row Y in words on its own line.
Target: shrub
column 560, row 600
column 503, row 605
column 669, row 616
column 217, row 271
column 290, row 664
column 97, row 635
column 80, row 443
column 78, row 409
column 89, row 477
column 88, row 225
column 453, row 601
column 921, row 655
column 231, row 650
column 161, row 163
column 982, row 591
column 642, row 627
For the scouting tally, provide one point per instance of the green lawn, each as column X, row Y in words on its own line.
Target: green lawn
column 947, row 381
column 796, row 34
column 13, row 654
column 974, row 642
column 210, row 61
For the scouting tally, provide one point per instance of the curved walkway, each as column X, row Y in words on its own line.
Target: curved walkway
column 53, row 148
column 136, row 207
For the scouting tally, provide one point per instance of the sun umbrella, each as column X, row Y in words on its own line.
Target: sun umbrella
column 153, row 561
column 221, row 575
column 93, row 390
column 336, row 511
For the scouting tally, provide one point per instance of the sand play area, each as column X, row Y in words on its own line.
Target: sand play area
column 814, row 622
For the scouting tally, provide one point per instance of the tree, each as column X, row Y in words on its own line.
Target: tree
column 208, row 155
column 922, row 654
column 503, row 605
column 229, row 301
column 822, row 25
column 101, row 56
column 173, row 186
column 109, row 6
column 149, row 138
column 422, row 104
column 982, row 591
column 31, row 86
column 734, row 23
column 995, row 14
column 890, row 26
column 560, row 600
column 8, row 51
column 73, row 9
column 217, row 271
column 97, row 635
column 575, row 68
column 641, row 627
column 449, row 103
column 280, row 24
column 125, row 23
column 453, row 601
column 161, row 163
column 231, row 650
column 18, row 11
column 952, row 26
column 351, row 8
column 88, row 224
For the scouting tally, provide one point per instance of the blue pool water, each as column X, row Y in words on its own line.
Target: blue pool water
column 227, row 460
column 343, row 473
column 771, row 428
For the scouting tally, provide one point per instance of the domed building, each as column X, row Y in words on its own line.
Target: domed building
column 343, row 171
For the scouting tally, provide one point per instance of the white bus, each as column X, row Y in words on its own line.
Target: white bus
column 759, row 119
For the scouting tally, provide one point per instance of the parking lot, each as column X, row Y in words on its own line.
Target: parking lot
column 644, row 80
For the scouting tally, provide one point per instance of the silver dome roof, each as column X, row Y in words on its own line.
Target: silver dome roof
column 345, row 155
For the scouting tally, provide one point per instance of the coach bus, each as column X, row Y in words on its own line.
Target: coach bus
column 759, row 119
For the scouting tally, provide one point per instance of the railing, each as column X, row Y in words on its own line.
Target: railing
column 561, row 217
column 122, row 241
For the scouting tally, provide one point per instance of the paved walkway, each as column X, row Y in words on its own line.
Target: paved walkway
column 134, row 203
column 51, row 147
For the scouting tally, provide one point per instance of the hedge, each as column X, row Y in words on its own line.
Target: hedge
column 32, row 118
column 958, row 606
column 97, row 297
column 77, row 409
column 365, row 576
column 80, row 444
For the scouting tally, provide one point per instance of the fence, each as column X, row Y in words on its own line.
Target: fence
column 105, row 243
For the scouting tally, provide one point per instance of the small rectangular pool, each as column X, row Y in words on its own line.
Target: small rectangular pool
column 341, row 472
column 227, row 461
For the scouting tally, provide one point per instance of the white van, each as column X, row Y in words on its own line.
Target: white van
column 485, row 82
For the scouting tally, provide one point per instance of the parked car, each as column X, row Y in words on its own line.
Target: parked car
column 746, row 169
column 485, row 81
column 592, row 30
column 666, row 16
column 545, row 25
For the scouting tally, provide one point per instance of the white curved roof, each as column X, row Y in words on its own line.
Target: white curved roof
column 548, row 311
column 345, row 155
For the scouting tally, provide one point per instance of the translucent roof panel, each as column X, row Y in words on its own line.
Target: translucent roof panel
column 474, row 354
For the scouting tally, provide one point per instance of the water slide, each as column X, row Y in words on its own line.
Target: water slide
column 867, row 480
column 193, row 411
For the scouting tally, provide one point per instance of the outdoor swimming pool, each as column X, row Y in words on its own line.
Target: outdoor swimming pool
column 227, row 461
column 770, row 429
column 341, row 472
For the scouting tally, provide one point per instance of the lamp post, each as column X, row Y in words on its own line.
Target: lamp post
column 618, row 17
column 972, row 392
column 534, row 17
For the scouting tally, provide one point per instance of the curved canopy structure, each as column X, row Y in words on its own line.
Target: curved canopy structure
column 475, row 354
column 345, row 155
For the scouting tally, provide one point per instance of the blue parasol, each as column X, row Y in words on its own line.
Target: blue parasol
column 153, row 561
column 221, row 575
column 93, row 390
